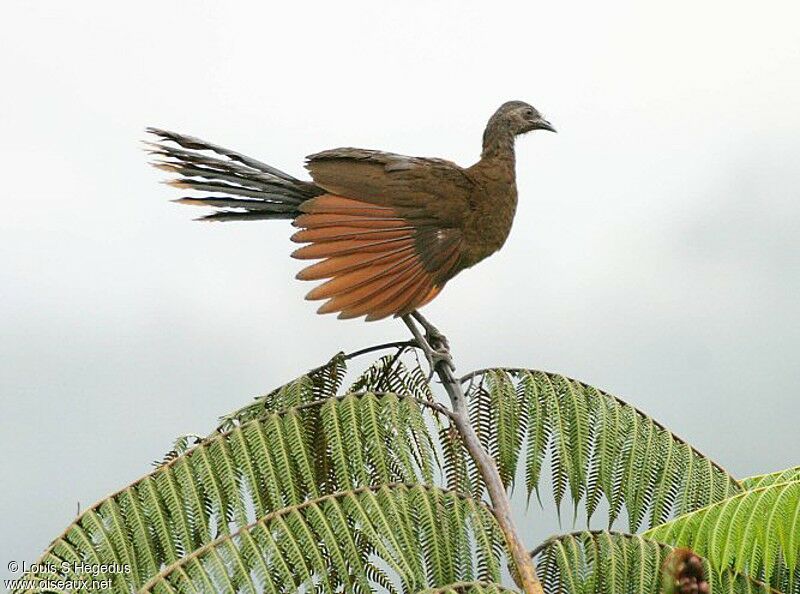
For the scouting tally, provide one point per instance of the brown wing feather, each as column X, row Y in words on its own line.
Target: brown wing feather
column 392, row 296
column 401, row 301
column 343, row 232
column 325, row 220
column 367, row 274
column 328, row 249
column 380, row 261
column 369, row 294
column 336, row 265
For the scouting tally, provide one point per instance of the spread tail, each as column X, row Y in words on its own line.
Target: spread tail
column 249, row 189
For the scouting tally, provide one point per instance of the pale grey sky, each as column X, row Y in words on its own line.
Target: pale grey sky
column 655, row 251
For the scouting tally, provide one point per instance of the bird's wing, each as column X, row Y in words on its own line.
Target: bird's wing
column 388, row 232
column 390, row 179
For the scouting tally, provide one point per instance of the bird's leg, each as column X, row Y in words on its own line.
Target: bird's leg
column 435, row 339
column 437, row 352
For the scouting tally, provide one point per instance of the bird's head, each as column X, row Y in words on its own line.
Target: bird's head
column 511, row 119
column 520, row 117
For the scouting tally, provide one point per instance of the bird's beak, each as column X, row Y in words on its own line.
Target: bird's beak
column 543, row 124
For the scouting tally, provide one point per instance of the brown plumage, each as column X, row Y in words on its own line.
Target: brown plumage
column 388, row 230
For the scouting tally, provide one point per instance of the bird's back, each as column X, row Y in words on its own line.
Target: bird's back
column 386, row 231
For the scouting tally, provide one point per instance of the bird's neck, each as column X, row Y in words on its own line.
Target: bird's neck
column 498, row 144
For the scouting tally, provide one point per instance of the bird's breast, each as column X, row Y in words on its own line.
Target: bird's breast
column 489, row 224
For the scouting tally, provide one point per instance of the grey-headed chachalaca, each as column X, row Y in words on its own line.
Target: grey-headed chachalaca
column 388, row 230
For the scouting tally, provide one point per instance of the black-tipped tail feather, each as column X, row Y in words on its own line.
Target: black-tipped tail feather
column 251, row 190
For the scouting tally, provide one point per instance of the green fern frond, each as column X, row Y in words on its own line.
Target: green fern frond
column 266, row 464
column 614, row 563
column 313, row 545
column 469, row 588
column 391, row 374
column 765, row 480
column 599, row 446
column 306, row 489
column 320, row 383
column 756, row 532
column 181, row 444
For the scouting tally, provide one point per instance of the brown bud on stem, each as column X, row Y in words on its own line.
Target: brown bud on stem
column 683, row 573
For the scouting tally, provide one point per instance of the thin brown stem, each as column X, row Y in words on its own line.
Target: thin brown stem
column 397, row 344
column 523, row 563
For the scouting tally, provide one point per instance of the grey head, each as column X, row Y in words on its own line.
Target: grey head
column 519, row 117
column 511, row 119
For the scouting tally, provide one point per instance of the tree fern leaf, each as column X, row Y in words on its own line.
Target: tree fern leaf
column 293, row 538
column 560, row 458
column 760, row 521
column 538, row 431
column 600, row 447
column 565, row 560
column 194, row 497
column 157, row 515
column 141, row 538
column 255, row 555
column 599, row 471
column 765, row 480
column 299, row 529
column 381, row 580
column 665, row 489
column 290, row 549
column 504, row 443
column 256, row 436
column 332, row 423
column 374, row 437
column 459, row 540
column 578, row 426
column 341, row 545
column 282, row 457
column 119, row 536
column 429, row 514
column 390, row 374
column 455, row 466
column 248, row 469
column 487, row 537
column 260, row 466
column 218, row 501
column 418, row 438
column 217, row 570
column 613, row 563
column 96, row 531
column 176, row 508
column 638, row 483
column 282, row 572
column 300, row 447
column 391, row 509
column 318, row 384
column 349, row 412
column 240, row 569
column 469, row 587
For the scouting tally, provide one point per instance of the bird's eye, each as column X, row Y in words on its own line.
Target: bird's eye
column 528, row 113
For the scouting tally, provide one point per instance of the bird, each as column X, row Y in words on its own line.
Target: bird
column 385, row 231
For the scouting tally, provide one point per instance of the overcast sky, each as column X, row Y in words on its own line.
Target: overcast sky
column 654, row 253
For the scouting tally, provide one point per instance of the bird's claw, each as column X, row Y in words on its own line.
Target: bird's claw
column 433, row 344
column 437, row 357
column 437, row 341
column 437, row 351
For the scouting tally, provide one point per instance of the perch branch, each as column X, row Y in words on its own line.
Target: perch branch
column 442, row 365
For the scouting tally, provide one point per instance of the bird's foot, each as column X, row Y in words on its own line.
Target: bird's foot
column 437, row 356
column 433, row 336
column 433, row 344
column 436, row 339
